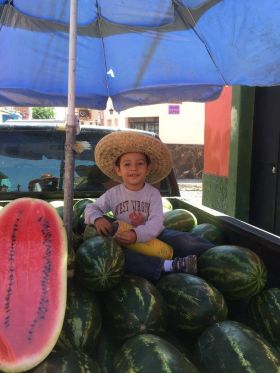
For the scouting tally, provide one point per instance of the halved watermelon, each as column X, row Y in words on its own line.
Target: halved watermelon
column 33, row 276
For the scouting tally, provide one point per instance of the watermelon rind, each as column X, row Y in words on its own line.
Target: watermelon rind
column 59, row 206
column 89, row 232
column 99, row 263
column 33, row 246
column 79, row 206
column 192, row 303
column 264, row 315
column 148, row 353
column 238, row 272
column 209, row 232
column 232, row 347
column 82, row 322
column 180, row 219
column 68, row 361
column 166, row 204
column 105, row 350
column 133, row 307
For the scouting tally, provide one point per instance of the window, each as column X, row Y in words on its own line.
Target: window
column 34, row 158
column 150, row 124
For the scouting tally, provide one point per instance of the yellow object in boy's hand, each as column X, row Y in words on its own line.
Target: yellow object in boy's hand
column 154, row 247
column 126, row 238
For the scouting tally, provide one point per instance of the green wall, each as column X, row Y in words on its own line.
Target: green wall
column 231, row 195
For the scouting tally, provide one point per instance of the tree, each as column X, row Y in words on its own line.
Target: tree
column 42, row 113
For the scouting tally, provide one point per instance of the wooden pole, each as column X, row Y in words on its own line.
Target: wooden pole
column 71, row 126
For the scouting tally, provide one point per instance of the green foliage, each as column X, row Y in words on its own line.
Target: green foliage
column 42, row 113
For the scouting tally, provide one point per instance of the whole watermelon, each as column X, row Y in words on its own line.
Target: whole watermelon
column 77, row 240
column 264, row 315
column 232, row 347
column 236, row 271
column 149, row 353
column 134, row 306
column 78, row 214
column 185, row 344
column 82, row 321
column 192, row 303
column 180, row 220
column 59, row 206
column 68, row 361
column 99, row 263
column 166, row 204
column 105, row 351
column 209, row 232
column 89, row 231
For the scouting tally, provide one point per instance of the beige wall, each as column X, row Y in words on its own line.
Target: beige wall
column 184, row 128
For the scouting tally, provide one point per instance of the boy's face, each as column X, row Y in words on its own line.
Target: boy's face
column 133, row 169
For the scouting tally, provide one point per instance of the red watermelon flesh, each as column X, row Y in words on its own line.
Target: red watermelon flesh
column 33, row 276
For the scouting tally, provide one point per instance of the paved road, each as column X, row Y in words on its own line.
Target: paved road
column 191, row 190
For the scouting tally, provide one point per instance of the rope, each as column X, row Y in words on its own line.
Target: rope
column 103, row 46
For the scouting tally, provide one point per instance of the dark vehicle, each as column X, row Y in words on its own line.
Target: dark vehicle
column 32, row 161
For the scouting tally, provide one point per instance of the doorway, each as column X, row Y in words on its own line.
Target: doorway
column 265, row 171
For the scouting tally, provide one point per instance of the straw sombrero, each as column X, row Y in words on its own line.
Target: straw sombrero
column 112, row 146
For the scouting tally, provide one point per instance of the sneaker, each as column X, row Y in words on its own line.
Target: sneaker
column 188, row 264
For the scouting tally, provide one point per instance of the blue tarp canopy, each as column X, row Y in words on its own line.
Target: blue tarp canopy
column 136, row 52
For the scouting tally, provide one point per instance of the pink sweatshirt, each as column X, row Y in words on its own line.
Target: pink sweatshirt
column 142, row 209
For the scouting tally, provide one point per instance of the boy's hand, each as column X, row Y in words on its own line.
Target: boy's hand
column 126, row 238
column 136, row 218
column 103, row 227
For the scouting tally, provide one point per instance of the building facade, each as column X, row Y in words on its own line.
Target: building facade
column 179, row 125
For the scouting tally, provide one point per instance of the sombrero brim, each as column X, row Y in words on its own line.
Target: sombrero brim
column 112, row 146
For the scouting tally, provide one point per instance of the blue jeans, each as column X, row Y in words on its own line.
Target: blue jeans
column 150, row 267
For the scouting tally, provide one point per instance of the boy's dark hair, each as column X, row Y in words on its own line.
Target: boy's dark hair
column 117, row 163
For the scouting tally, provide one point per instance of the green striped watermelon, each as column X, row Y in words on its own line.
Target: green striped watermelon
column 236, row 271
column 134, row 306
column 209, row 232
column 264, row 315
column 180, row 220
column 59, row 206
column 77, row 240
column 166, row 204
column 149, row 353
column 105, row 351
column 232, row 347
column 192, row 303
column 82, row 322
column 99, row 263
column 68, row 362
column 78, row 214
column 90, row 231
column 185, row 344
column 33, row 267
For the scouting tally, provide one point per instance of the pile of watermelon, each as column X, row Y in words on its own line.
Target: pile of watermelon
column 115, row 322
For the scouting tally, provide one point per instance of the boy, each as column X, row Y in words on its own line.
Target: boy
column 137, row 161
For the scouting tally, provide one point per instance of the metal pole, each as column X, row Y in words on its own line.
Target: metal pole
column 70, row 130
